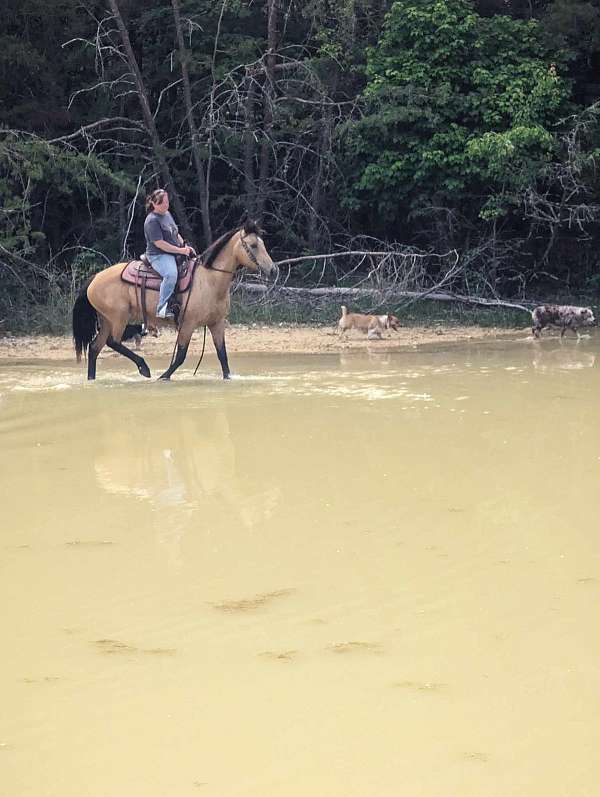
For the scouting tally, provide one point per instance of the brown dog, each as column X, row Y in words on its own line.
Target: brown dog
column 373, row 325
column 565, row 316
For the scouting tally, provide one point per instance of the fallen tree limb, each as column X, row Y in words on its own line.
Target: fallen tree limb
column 364, row 253
column 276, row 292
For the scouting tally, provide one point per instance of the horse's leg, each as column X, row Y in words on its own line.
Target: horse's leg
column 97, row 345
column 114, row 342
column 218, row 335
column 183, row 341
column 142, row 366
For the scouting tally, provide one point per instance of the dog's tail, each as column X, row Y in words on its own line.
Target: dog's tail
column 344, row 310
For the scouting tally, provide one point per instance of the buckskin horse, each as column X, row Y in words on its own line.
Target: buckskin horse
column 107, row 303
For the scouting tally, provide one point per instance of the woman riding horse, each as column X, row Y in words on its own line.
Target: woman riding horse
column 107, row 304
column 163, row 242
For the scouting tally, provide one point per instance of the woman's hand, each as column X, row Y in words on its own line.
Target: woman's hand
column 185, row 250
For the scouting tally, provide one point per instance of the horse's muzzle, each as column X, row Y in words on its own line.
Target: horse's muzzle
column 271, row 273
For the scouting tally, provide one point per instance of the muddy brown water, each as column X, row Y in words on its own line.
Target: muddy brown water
column 351, row 574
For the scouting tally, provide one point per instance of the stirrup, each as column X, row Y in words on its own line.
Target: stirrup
column 175, row 308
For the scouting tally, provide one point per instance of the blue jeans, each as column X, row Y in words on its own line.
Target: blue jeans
column 166, row 265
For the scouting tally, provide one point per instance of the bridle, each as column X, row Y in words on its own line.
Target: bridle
column 248, row 251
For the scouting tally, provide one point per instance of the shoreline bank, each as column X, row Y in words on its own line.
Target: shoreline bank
column 255, row 338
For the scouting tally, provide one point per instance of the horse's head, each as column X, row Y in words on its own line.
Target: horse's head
column 249, row 250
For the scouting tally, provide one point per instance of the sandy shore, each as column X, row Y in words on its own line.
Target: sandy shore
column 271, row 339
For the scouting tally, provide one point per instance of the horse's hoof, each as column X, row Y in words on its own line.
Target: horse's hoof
column 164, row 378
column 226, row 376
column 144, row 371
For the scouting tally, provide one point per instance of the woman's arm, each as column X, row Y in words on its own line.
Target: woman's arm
column 172, row 250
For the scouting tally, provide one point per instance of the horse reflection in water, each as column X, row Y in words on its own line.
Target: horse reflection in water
column 187, row 473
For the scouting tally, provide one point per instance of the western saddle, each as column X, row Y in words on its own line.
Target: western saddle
column 141, row 274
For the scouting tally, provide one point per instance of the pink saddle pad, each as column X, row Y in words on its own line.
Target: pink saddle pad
column 136, row 270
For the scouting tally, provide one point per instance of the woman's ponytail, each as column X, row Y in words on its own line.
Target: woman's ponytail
column 154, row 198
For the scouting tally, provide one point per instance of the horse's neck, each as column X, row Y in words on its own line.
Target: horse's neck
column 224, row 260
column 224, row 268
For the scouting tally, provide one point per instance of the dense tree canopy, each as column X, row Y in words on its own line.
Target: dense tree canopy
column 459, row 110
column 429, row 123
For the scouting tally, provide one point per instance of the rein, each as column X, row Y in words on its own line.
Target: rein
column 202, row 355
column 222, row 270
column 198, row 262
column 182, row 316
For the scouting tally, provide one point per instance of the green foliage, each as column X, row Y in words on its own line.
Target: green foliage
column 460, row 110
column 39, row 180
column 342, row 28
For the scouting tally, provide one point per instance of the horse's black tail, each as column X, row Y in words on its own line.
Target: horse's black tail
column 85, row 322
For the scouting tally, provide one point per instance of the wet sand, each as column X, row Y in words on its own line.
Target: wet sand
column 271, row 339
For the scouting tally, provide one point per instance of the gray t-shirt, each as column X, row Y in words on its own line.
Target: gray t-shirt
column 159, row 227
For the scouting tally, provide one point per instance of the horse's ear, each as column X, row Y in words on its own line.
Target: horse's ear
column 250, row 226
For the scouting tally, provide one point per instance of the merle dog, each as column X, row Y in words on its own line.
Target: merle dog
column 565, row 316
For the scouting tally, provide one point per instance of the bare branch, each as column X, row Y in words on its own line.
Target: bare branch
column 83, row 131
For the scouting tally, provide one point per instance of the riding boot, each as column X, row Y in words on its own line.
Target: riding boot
column 174, row 307
column 165, row 312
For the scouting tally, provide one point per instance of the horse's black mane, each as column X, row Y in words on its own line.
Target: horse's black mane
column 207, row 258
column 209, row 255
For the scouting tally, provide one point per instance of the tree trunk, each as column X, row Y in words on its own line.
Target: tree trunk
column 317, row 190
column 195, row 138
column 268, row 97
column 157, row 148
column 249, row 146
column 122, row 218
